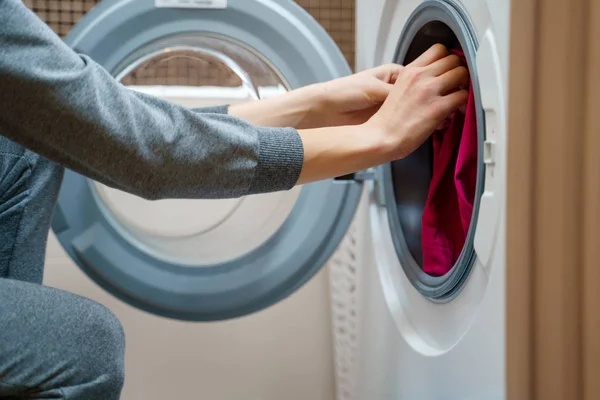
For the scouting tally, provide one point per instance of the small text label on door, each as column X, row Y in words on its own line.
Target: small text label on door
column 191, row 3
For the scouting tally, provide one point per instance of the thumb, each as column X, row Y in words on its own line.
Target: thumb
column 379, row 91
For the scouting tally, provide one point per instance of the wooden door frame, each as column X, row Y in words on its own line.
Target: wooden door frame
column 553, row 201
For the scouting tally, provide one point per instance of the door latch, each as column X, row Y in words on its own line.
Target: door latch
column 359, row 176
column 489, row 152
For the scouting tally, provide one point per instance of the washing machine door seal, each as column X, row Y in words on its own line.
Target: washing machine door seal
column 300, row 49
column 404, row 206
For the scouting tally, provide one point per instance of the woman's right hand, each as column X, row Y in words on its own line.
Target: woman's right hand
column 425, row 93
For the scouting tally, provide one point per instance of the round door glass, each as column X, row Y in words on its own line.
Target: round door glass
column 203, row 72
column 250, row 252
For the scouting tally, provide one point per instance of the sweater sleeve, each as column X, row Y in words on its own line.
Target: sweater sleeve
column 67, row 108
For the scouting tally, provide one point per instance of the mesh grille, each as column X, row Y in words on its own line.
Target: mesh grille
column 344, row 309
column 187, row 69
column 336, row 16
column 61, row 15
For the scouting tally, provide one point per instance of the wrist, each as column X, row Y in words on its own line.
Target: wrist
column 337, row 151
column 309, row 101
column 385, row 144
column 294, row 109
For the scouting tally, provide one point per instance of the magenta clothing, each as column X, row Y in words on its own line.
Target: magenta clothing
column 447, row 213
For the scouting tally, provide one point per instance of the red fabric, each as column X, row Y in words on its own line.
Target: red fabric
column 447, row 213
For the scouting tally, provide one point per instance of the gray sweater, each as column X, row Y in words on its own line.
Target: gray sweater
column 67, row 108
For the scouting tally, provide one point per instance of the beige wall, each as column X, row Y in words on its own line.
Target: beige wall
column 284, row 352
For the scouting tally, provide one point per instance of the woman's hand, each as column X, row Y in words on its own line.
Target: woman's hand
column 351, row 100
column 424, row 94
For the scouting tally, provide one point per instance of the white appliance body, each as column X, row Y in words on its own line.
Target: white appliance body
column 411, row 347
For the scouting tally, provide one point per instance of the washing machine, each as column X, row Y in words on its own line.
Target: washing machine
column 181, row 273
column 224, row 299
column 423, row 336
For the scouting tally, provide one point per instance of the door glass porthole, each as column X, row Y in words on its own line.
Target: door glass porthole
column 433, row 195
column 198, row 71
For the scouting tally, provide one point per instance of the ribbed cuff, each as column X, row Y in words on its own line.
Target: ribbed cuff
column 280, row 160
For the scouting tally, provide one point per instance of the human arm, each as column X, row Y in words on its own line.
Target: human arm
column 70, row 110
column 67, row 108
column 350, row 100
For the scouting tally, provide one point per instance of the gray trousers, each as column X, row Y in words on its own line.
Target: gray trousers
column 53, row 344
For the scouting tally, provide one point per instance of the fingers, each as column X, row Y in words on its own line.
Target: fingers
column 387, row 73
column 444, row 65
column 379, row 91
column 434, row 53
column 452, row 80
column 453, row 101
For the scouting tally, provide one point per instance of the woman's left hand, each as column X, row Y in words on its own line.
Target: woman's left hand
column 351, row 100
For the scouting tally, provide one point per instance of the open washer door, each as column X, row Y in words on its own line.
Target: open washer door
column 204, row 260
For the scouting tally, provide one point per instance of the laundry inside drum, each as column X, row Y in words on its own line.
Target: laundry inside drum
column 198, row 72
column 435, row 187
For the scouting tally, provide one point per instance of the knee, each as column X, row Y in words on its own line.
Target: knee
column 102, row 351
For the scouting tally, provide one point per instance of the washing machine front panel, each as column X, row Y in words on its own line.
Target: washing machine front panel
column 209, row 259
column 405, row 183
column 413, row 346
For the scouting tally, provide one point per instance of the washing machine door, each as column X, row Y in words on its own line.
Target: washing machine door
column 205, row 260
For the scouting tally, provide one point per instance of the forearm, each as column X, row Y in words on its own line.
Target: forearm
column 292, row 109
column 70, row 110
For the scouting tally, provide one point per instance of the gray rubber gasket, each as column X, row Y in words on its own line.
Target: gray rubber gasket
column 415, row 170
